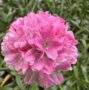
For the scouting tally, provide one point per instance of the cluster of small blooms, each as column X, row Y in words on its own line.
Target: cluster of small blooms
column 40, row 46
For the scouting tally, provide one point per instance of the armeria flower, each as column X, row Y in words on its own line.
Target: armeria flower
column 40, row 46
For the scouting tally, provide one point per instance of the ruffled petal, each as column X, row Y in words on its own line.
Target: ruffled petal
column 64, row 66
column 57, row 78
column 48, row 69
column 52, row 54
column 45, row 80
column 49, row 80
column 30, row 77
column 29, row 57
column 39, row 64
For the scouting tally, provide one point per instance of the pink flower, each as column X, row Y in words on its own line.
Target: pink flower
column 40, row 46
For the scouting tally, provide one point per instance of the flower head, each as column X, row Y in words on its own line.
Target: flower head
column 40, row 46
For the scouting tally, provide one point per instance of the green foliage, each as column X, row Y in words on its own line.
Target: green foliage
column 76, row 13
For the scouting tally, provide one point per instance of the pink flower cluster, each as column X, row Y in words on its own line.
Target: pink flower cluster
column 40, row 46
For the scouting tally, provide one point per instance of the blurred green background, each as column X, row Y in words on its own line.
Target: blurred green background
column 76, row 13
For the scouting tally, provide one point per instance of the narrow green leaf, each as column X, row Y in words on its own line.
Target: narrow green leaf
column 19, row 83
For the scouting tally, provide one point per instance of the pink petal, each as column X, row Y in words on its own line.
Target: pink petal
column 25, row 67
column 39, row 64
column 19, row 44
column 10, row 57
column 29, row 57
column 57, row 78
column 18, row 65
column 52, row 53
column 49, row 80
column 45, row 80
column 30, row 77
column 48, row 69
column 65, row 66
